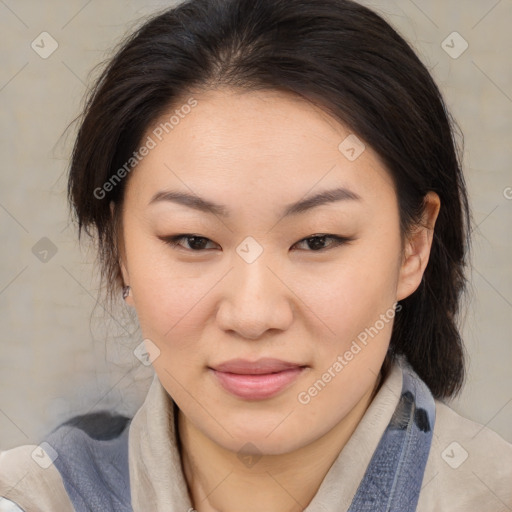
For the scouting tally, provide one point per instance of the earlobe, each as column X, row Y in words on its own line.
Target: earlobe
column 417, row 248
column 126, row 291
column 121, row 259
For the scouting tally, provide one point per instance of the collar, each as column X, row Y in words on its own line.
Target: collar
column 155, row 463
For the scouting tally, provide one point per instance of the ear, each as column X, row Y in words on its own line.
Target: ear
column 417, row 248
column 122, row 257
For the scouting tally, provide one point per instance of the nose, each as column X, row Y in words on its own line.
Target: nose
column 255, row 299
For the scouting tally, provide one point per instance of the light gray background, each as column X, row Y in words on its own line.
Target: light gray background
column 61, row 353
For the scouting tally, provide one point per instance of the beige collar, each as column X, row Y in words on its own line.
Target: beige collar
column 158, row 483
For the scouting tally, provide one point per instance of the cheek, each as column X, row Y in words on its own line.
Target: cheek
column 350, row 294
column 172, row 314
column 171, row 309
column 169, row 296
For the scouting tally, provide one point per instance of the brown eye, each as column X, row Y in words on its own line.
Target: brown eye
column 317, row 243
column 195, row 243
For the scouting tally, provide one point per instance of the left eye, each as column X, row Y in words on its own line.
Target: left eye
column 316, row 243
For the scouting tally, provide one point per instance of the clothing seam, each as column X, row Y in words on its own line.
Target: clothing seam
column 405, row 449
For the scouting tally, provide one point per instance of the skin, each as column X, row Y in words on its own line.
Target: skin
column 256, row 152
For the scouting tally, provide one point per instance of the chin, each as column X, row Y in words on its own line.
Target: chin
column 259, row 441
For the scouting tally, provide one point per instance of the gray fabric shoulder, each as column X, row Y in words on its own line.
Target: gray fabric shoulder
column 31, row 476
column 469, row 466
column 91, row 454
column 30, row 480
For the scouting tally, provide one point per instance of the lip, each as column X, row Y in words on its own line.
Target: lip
column 261, row 366
column 256, row 380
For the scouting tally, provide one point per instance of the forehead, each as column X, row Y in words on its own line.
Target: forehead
column 264, row 125
column 270, row 143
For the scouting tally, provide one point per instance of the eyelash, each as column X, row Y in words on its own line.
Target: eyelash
column 173, row 241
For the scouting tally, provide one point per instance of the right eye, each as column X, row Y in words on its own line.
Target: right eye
column 195, row 243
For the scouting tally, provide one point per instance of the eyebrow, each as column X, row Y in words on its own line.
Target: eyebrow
column 302, row 206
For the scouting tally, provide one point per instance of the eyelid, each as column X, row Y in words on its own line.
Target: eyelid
column 339, row 240
column 174, row 240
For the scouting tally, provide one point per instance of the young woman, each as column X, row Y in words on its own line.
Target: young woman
column 275, row 189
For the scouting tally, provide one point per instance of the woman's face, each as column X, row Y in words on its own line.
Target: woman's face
column 253, row 283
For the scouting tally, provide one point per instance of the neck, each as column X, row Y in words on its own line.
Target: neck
column 218, row 481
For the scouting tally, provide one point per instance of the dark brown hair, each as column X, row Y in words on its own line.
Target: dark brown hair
column 336, row 54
